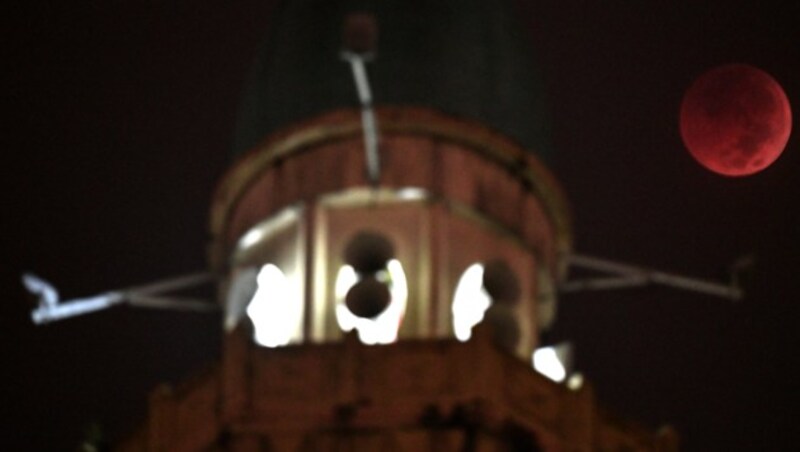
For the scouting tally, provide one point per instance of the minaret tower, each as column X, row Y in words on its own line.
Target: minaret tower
column 388, row 242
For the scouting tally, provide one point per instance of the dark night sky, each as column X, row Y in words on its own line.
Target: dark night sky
column 119, row 122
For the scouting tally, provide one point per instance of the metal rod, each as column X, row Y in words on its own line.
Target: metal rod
column 46, row 313
column 177, row 303
column 636, row 273
column 368, row 121
column 608, row 283
column 167, row 285
column 51, row 309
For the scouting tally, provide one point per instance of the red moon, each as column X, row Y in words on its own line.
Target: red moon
column 735, row 120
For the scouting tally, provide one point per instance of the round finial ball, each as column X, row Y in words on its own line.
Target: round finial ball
column 368, row 252
column 368, row 298
column 500, row 282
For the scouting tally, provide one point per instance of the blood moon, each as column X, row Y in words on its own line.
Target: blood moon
column 735, row 120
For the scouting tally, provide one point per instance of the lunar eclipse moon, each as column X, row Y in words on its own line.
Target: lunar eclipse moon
column 735, row 120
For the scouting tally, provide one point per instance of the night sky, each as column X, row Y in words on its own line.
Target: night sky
column 119, row 121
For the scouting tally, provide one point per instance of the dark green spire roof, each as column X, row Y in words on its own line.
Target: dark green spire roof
column 469, row 58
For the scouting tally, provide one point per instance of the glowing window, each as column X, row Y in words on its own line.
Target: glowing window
column 470, row 302
column 383, row 328
column 553, row 361
column 546, row 362
column 275, row 313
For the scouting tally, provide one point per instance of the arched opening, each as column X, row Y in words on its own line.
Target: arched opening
column 383, row 328
column 276, row 315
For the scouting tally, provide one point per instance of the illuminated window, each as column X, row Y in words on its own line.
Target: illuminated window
column 553, row 361
column 276, row 314
column 384, row 327
column 546, row 362
column 470, row 302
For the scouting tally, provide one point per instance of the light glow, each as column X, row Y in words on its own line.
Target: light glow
column 411, row 193
column 384, row 327
column 575, row 381
column 470, row 302
column 275, row 313
column 251, row 237
column 552, row 362
column 268, row 227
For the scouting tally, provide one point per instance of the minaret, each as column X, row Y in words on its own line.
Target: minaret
column 395, row 304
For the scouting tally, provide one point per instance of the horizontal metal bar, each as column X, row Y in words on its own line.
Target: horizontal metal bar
column 50, row 313
column 636, row 273
column 607, row 283
column 167, row 285
column 177, row 303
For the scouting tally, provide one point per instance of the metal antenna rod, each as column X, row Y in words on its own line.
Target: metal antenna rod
column 51, row 308
column 632, row 276
column 359, row 36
